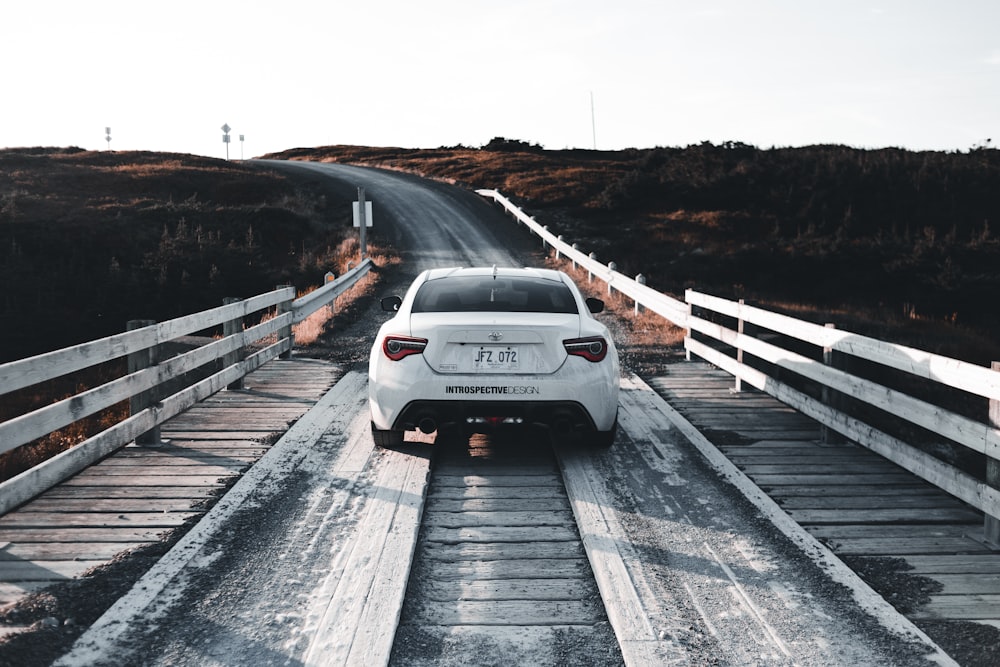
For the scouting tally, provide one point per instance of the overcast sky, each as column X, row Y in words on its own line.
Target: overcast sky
column 166, row 76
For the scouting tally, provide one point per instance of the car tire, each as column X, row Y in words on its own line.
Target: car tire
column 388, row 438
column 604, row 439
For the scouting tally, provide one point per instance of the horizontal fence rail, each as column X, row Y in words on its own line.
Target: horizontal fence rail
column 225, row 361
column 725, row 347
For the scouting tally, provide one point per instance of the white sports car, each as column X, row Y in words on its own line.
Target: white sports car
column 479, row 349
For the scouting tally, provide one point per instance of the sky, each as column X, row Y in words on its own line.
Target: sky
column 166, row 76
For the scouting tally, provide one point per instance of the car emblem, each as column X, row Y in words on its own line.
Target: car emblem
column 496, row 335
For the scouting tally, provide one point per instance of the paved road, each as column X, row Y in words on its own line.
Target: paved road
column 431, row 225
column 285, row 568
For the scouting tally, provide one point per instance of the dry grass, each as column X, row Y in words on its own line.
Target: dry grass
column 644, row 329
column 313, row 327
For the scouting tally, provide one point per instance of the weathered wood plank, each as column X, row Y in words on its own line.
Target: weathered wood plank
column 902, row 530
column 466, row 470
column 45, row 551
column 882, row 488
column 541, row 590
column 234, row 433
column 913, row 501
column 51, row 520
column 438, row 492
column 510, row 568
column 533, row 504
column 53, row 570
column 64, row 492
column 120, row 505
column 778, row 480
column 507, row 612
column 981, row 563
column 863, row 468
column 123, row 535
column 903, row 546
column 500, row 534
column 747, row 455
column 507, row 519
column 878, row 515
column 152, row 480
column 959, row 608
column 444, row 481
column 136, row 470
column 13, row 592
column 497, row 551
column 968, row 584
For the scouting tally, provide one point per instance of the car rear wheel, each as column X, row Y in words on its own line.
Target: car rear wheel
column 604, row 439
column 387, row 438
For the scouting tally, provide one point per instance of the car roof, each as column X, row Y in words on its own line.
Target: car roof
column 504, row 272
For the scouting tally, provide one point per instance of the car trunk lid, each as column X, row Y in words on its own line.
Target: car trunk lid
column 484, row 343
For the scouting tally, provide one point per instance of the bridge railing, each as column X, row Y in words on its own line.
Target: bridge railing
column 221, row 363
column 809, row 367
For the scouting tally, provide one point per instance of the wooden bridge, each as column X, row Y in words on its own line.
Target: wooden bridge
column 859, row 504
column 136, row 496
column 865, row 509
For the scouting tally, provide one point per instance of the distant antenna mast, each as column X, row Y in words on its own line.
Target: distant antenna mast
column 593, row 123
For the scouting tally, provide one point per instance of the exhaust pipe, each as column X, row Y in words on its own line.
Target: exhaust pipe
column 562, row 426
column 427, row 424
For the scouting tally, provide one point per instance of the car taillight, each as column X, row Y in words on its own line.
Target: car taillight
column 397, row 347
column 592, row 349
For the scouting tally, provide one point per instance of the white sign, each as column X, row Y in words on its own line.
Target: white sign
column 368, row 214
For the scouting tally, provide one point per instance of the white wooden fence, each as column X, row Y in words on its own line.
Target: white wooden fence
column 240, row 351
column 725, row 347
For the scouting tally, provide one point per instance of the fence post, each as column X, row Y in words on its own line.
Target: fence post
column 590, row 274
column 690, row 316
column 612, row 267
column 138, row 361
column 991, row 524
column 286, row 332
column 575, row 247
column 544, row 244
column 739, row 350
column 641, row 279
column 831, row 397
column 559, row 238
column 232, row 328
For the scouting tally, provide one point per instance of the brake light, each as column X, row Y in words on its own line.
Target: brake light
column 592, row 349
column 397, row 347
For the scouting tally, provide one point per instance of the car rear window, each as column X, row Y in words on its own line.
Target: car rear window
column 477, row 294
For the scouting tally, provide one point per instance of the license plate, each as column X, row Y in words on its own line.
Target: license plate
column 495, row 359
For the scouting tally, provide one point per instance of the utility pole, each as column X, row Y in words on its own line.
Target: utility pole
column 593, row 123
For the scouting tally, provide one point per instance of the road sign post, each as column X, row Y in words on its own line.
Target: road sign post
column 225, row 137
column 363, row 219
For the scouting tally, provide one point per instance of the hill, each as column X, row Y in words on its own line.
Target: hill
column 90, row 240
column 889, row 242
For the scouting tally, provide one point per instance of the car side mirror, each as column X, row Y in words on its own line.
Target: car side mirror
column 391, row 303
column 595, row 305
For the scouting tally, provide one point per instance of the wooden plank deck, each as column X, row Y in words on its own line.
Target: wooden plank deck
column 859, row 504
column 139, row 494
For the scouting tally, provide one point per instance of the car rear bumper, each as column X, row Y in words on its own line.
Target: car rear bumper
column 562, row 417
column 575, row 398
